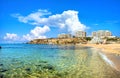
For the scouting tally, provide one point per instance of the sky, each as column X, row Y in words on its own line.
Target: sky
column 24, row 20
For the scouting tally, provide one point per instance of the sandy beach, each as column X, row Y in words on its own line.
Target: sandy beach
column 112, row 51
column 107, row 48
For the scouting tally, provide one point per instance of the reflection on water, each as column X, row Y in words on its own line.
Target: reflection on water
column 52, row 61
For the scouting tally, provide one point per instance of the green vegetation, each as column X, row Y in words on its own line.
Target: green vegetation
column 116, row 40
column 88, row 38
column 112, row 39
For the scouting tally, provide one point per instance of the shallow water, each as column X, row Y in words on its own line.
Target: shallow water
column 53, row 61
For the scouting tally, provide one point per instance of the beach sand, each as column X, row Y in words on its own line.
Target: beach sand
column 112, row 51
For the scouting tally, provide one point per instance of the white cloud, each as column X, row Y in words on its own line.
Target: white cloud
column 33, row 17
column 37, row 32
column 11, row 36
column 68, row 19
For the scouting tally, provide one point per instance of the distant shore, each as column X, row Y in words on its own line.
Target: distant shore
column 112, row 51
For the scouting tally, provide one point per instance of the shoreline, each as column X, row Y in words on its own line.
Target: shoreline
column 112, row 51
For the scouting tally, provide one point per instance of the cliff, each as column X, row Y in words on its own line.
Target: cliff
column 58, row 41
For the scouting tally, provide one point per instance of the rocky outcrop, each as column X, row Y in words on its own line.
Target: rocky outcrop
column 58, row 41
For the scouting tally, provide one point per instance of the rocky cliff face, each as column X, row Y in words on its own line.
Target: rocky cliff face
column 58, row 41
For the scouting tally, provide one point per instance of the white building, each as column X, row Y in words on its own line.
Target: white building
column 101, row 33
column 80, row 34
column 64, row 35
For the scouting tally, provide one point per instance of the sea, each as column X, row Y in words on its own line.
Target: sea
column 54, row 61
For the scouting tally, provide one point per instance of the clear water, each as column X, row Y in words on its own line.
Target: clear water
column 52, row 61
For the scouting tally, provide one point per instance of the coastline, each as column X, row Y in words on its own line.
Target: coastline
column 112, row 51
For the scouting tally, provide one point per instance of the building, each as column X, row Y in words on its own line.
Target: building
column 80, row 34
column 64, row 35
column 108, row 33
column 94, row 34
column 101, row 33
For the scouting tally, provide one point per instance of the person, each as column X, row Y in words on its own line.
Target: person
column 0, row 47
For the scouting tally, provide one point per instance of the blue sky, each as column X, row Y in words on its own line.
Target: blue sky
column 22, row 20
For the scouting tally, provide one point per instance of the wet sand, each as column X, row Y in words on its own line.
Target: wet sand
column 112, row 51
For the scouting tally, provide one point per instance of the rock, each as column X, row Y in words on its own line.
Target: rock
column 39, row 65
column 43, row 61
column 49, row 67
column 1, row 64
column 59, row 74
column 28, row 69
column 63, row 56
column 117, row 54
column 58, row 41
column 3, row 70
column 1, row 76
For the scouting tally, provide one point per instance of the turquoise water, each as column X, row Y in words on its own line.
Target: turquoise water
column 53, row 61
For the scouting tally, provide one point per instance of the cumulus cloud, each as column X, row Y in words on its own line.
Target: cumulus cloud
column 68, row 19
column 44, row 20
column 11, row 36
column 37, row 32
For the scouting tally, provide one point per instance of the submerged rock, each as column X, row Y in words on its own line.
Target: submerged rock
column 1, row 76
column 39, row 65
column 3, row 70
column 1, row 64
column 49, row 67
column 61, row 74
column 28, row 69
column 43, row 61
column 117, row 54
column 63, row 56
